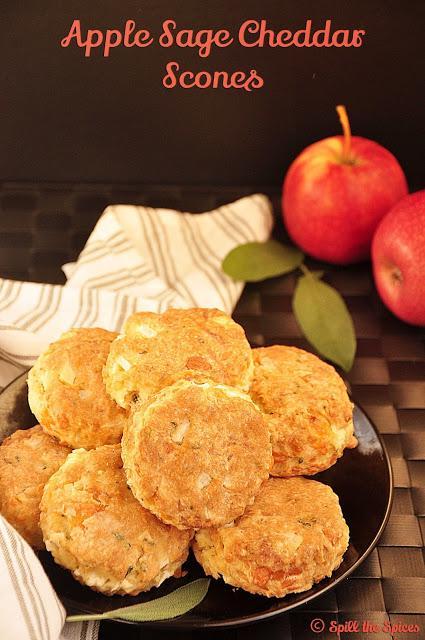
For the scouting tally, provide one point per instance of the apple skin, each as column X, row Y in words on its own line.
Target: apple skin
column 398, row 258
column 331, row 207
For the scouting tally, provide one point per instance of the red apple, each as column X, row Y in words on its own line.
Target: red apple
column 398, row 257
column 336, row 192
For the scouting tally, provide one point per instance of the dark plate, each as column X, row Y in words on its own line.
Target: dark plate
column 362, row 479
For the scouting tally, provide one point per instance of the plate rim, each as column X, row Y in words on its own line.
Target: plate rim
column 187, row 625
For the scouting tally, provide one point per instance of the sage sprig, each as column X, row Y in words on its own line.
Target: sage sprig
column 255, row 261
column 170, row 606
column 324, row 319
column 320, row 311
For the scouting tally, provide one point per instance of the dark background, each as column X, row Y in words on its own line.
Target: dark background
column 67, row 118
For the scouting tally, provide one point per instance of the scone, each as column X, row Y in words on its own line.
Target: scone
column 94, row 527
column 197, row 454
column 157, row 349
column 293, row 536
column 66, row 391
column 27, row 460
column 307, row 408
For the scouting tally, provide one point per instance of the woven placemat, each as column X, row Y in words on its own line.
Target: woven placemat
column 41, row 228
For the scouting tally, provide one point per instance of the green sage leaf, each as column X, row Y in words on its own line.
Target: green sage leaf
column 172, row 605
column 325, row 320
column 255, row 261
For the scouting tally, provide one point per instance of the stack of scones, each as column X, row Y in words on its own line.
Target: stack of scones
column 173, row 435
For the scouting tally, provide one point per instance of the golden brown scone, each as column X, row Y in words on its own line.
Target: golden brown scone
column 197, row 454
column 27, row 460
column 157, row 349
column 307, row 408
column 93, row 526
column 291, row 537
column 66, row 391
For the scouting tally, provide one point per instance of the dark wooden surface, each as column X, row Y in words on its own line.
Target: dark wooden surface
column 40, row 228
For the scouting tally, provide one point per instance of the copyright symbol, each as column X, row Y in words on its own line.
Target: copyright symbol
column 317, row 625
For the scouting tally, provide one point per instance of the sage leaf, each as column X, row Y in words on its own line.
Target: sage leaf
column 172, row 605
column 255, row 261
column 324, row 319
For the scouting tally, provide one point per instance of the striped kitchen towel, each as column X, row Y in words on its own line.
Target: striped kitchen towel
column 136, row 258
column 29, row 607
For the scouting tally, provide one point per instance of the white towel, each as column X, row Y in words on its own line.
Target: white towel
column 29, row 607
column 136, row 258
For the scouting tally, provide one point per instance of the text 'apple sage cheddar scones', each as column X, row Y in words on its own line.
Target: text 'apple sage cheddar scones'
column 291, row 537
column 307, row 409
column 67, row 394
column 197, row 454
column 93, row 526
column 27, row 460
column 157, row 349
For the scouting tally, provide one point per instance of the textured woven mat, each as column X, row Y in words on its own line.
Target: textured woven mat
column 40, row 228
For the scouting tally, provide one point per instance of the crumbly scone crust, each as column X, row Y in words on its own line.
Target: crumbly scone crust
column 293, row 536
column 197, row 454
column 27, row 460
column 67, row 394
column 93, row 526
column 158, row 349
column 307, row 408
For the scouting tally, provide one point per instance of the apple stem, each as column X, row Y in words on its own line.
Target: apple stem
column 346, row 129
